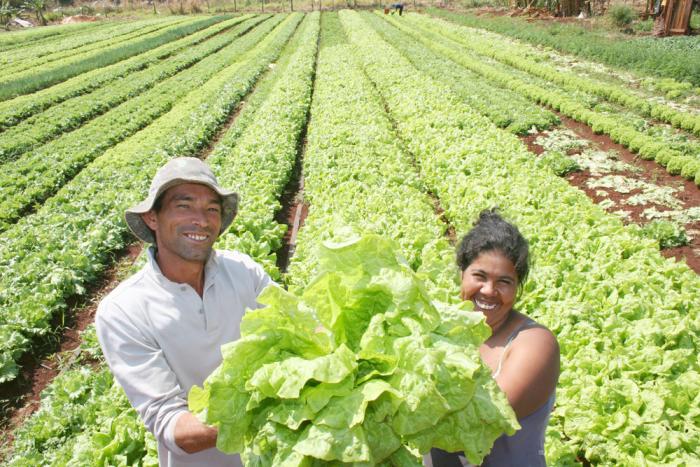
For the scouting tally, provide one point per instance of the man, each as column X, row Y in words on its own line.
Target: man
column 161, row 330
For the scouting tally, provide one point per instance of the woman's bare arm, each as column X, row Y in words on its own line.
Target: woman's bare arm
column 530, row 370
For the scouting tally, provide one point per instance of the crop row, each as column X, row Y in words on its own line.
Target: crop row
column 517, row 56
column 38, row 174
column 506, row 108
column 617, row 127
column 51, row 73
column 29, row 57
column 85, row 419
column 650, row 57
column 49, row 256
column 72, row 113
column 47, row 34
column 355, row 173
column 605, row 292
column 15, row 110
column 84, row 414
column 262, row 160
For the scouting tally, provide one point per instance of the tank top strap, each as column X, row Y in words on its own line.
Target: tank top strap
column 527, row 323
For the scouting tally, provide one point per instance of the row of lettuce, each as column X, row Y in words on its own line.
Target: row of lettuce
column 38, row 174
column 15, row 61
column 626, row 319
column 15, row 110
column 667, row 59
column 50, row 73
column 36, row 36
column 370, row 365
column 68, row 115
column 502, row 63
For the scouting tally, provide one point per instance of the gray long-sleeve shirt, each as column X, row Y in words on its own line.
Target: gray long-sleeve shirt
column 160, row 338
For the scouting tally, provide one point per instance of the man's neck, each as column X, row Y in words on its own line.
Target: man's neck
column 181, row 271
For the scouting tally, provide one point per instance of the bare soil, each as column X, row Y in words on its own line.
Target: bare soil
column 651, row 172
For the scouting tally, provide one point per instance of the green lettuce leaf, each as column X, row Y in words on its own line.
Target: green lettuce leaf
column 362, row 367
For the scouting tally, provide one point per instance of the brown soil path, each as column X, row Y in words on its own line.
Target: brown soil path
column 650, row 172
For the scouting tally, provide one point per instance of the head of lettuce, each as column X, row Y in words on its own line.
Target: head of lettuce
column 361, row 368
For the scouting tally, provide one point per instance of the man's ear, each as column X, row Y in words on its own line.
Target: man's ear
column 150, row 219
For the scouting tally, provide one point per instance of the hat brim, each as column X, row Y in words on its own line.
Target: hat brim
column 229, row 208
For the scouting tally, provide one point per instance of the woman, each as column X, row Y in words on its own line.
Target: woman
column 523, row 355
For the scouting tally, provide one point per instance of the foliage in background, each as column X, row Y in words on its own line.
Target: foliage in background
column 7, row 11
column 38, row 7
column 668, row 58
column 621, row 15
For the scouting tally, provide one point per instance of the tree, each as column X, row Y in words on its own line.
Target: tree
column 7, row 11
column 38, row 7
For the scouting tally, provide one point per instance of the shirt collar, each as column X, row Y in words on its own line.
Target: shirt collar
column 153, row 270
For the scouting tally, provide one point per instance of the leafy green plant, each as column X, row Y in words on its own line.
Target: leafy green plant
column 558, row 162
column 621, row 15
column 362, row 367
column 668, row 234
column 7, row 11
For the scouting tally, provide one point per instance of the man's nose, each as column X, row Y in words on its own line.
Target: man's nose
column 200, row 218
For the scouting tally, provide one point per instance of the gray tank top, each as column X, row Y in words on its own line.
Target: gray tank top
column 525, row 448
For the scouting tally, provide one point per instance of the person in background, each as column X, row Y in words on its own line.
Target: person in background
column 161, row 330
column 398, row 7
column 522, row 354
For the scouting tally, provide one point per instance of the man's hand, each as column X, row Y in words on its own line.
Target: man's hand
column 192, row 436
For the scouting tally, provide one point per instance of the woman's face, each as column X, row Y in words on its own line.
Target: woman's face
column 491, row 283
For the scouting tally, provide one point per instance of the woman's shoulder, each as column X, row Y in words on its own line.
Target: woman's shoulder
column 532, row 332
column 535, row 345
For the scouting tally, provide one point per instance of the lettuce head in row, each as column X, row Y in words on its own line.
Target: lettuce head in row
column 361, row 368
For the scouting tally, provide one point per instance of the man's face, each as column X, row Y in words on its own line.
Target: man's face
column 187, row 223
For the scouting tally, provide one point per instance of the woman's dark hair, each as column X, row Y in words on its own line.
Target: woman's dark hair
column 491, row 232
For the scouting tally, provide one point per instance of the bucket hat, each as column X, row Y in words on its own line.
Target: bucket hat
column 176, row 172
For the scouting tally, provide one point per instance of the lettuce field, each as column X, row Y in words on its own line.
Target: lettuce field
column 346, row 123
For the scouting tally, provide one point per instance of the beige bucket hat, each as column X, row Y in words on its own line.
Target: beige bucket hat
column 176, row 172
